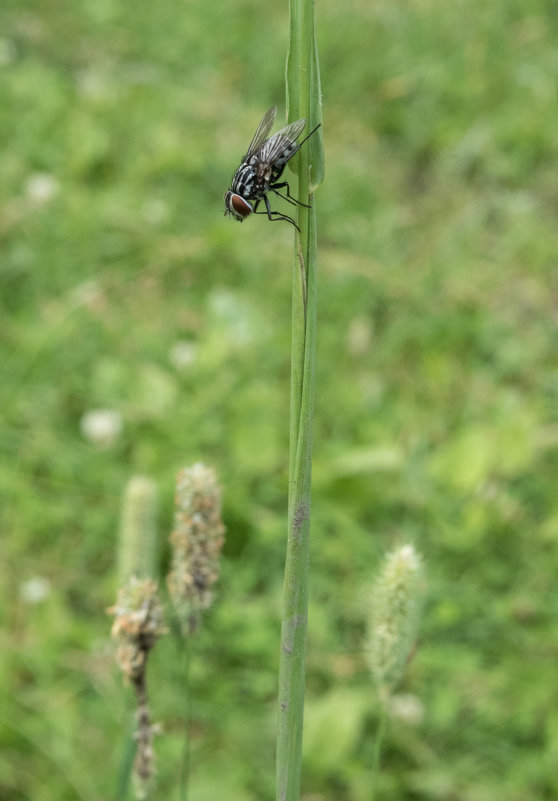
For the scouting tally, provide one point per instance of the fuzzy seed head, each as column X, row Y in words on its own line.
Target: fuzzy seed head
column 137, row 551
column 395, row 606
column 196, row 542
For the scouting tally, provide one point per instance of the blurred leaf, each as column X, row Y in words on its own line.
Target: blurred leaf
column 359, row 462
column 332, row 726
column 481, row 451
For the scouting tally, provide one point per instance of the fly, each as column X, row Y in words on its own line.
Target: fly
column 261, row 169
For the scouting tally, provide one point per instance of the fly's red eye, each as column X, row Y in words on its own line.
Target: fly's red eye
column 240, row 206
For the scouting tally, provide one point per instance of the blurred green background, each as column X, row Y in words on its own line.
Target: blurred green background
column 125, row 291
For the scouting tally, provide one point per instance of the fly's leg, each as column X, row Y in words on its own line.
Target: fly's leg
column 278, row 216
column 290, row 199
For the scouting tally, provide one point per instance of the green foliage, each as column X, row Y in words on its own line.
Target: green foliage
column 124, row 289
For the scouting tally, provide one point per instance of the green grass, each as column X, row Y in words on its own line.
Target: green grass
column 436, row 400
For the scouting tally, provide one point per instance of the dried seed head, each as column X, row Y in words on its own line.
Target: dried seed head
column 137, row 625
column 196, row 543
column 395, row 607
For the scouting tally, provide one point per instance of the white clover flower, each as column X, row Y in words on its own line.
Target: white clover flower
column 183, row 354
column 101, row 426
column 407, row 708
column 40, row 187
column 34, row 590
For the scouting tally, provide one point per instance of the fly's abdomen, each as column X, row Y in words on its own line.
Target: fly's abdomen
column 286, row 150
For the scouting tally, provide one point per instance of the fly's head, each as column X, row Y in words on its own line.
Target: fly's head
column 237, row 206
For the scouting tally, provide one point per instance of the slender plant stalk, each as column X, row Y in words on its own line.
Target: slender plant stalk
column 303, row 100
column 184, row 774
column 378, row 749
column 126, row 765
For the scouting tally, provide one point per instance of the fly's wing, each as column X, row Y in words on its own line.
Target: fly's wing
column 282, row 145
column 261, row 133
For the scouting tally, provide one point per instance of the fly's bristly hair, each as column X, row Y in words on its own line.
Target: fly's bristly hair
column 261, row 169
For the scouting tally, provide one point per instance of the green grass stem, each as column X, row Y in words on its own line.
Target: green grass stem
column 378, row 749
column 303, row 100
